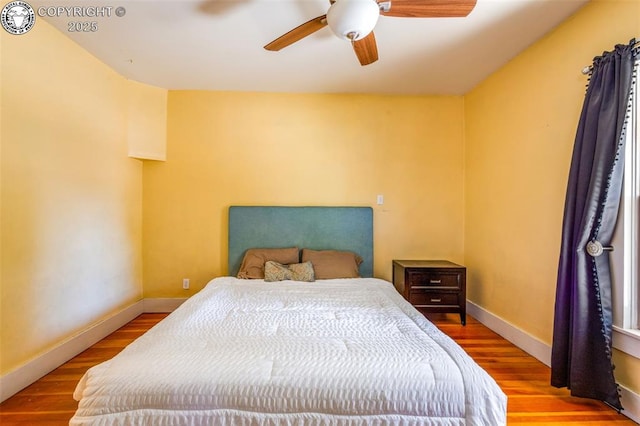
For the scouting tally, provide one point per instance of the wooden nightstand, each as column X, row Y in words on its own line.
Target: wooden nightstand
column 432, row 285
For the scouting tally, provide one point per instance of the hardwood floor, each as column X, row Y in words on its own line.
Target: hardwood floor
column 49, row 401
column 525, row 380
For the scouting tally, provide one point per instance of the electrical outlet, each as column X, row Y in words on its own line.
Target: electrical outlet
column 380, row 199
column 185, row 283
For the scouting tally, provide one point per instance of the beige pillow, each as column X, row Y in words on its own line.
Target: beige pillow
column 328, row 264
column 274, row 271
column 252, row 266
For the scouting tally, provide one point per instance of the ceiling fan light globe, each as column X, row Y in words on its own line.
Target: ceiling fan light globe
column 353, row 19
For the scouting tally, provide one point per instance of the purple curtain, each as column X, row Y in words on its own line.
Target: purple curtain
column 581, row 351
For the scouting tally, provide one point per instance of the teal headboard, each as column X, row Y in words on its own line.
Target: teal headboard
column 318, row 228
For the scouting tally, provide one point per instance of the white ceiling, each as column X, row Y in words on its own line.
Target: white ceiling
column 218, row 45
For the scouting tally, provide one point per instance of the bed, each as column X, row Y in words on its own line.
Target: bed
column 263, row 351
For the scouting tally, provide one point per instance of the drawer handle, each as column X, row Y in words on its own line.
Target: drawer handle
column 435, row 281
column 436, row 300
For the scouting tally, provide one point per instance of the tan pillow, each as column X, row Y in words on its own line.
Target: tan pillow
column 274, row 271
column 252, row 266
column 328, row 264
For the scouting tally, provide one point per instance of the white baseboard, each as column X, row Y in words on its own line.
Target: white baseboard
column 33, row 370
column 525, row 341
column 162, row 305
column 631, row 403
column 18, row 379
column 542, row 352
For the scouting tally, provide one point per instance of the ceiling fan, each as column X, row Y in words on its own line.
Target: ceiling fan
column 354, row 20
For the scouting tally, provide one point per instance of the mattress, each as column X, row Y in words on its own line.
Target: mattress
column 331, row 352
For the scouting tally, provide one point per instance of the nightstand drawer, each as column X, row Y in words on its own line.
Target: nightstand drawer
column 427, row 298
column 429, row 279
column 432, row 286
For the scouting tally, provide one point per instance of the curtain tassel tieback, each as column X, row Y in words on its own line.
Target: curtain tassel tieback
column 595, row 248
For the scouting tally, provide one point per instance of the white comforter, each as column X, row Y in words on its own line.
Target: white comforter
column 333, row 352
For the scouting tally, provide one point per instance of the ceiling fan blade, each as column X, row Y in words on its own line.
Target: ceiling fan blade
column 298, row 33
column 366, row 49
column 428, row 8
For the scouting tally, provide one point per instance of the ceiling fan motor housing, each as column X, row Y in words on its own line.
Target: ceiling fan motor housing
column 353, row 19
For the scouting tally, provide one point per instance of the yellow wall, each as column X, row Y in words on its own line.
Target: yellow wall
column 147, row 122
column 284, row 149
column 479, row 179
column 520, row 127
column 71, row 199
